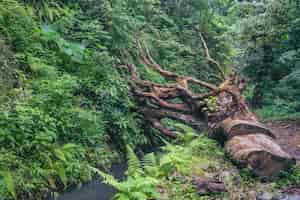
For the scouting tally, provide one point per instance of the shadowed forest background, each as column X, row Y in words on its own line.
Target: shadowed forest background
column 66, row 106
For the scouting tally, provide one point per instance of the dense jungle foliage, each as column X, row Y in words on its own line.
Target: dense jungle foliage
column 65, row 102
column 268, row 41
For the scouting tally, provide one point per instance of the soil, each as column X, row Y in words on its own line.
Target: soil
column 288, row 136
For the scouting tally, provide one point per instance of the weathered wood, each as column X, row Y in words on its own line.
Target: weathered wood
column 242, row 127
column 250, row 142
column 260, row 153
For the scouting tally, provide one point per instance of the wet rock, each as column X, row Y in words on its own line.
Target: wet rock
column 269, row 196
column 261, row 195
column 293, row 197
column 280, row 197
column 236, row 180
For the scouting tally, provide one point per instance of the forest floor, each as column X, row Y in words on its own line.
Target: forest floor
column 288, row 136
column 242, row 185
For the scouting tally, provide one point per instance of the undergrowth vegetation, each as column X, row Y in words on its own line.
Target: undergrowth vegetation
column 268, row 38
column 65, row 102
column 169, row 173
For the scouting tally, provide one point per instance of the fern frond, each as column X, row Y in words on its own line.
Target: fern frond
column 149, row 160
column 9, row 182
column 150, row 165
column 109, row 179
column 121, row 196
column 139, row 196
column 183, row 128
column 134, row 165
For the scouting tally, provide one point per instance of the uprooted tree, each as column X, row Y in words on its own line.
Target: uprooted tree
column 247, row 140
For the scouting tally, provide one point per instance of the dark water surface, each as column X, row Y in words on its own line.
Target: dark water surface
column 95, row 190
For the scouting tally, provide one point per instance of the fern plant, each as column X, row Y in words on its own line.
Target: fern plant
column 9, row 183
column 176, row 158
column 139, row 185
column 49, row 10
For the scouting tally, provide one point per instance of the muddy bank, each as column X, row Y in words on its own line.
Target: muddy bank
column 288, row 136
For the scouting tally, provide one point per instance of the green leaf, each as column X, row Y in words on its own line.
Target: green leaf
column 69, row 146
column 9, row 182
column 59, row 154
column 134, row 165
column 139, row 196
column 62, row 174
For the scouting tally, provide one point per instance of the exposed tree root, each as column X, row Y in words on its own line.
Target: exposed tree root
column 247, row 140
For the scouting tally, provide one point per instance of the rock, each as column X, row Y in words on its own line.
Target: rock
column 236, row 180
column 207, row 185
column 230, row 176
column 261, row 195
column 280, row 197
column 293, row 197
column 269, row 196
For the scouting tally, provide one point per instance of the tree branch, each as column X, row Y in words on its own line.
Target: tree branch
column 149, row 61
column 173, row 106
column 157, row 125
column 164, row 113
column 210, row 59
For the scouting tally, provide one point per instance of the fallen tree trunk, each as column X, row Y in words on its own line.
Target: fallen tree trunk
column 247, row 140
column 252, row 144
column 260, row 153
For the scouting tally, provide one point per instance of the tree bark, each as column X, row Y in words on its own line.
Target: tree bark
column 247, row 140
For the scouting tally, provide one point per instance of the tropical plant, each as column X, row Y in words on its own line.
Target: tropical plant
column 138, row 185
column 49, row 10
column 267, row 32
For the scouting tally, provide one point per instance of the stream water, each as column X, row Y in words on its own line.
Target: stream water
column 95, row 190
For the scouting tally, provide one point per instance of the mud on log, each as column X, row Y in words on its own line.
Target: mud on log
column 247, row 140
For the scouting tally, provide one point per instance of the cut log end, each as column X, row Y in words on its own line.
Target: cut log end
column 243, row 127
column 260, row 153
column 267, row 165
